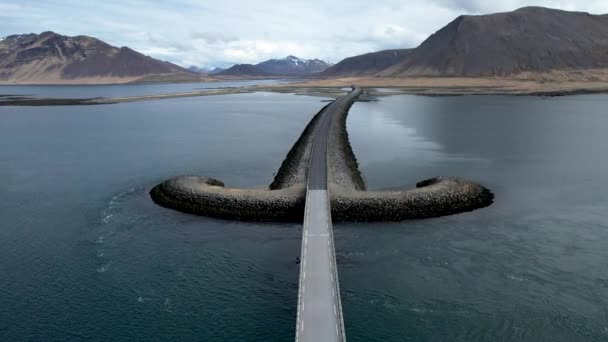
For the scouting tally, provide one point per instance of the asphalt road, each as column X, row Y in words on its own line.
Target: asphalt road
column 319, row 308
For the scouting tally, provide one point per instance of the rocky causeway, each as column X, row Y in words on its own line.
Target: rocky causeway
column 284, row 199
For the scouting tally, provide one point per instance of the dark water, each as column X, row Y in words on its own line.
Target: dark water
column 85, row 255
column 532, row 267
column 122, row 90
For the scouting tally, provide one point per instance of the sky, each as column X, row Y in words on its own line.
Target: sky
column 221, row 33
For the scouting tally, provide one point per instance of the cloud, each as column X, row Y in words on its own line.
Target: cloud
column 484, row 6
column 221, row 33
column 214, row 37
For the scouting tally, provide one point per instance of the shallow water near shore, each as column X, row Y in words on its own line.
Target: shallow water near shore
column 86, row 255
column 122, row 90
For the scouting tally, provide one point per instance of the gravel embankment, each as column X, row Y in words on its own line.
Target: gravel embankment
column 285, row 198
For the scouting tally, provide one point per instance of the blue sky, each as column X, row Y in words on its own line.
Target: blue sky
column 220, row 33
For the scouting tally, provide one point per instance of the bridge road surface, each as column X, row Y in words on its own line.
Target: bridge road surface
column 319, row 307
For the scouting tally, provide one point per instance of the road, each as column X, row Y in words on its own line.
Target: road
column 319, row 306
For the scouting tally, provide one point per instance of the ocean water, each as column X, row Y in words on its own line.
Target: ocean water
column 86, row 256
column 531, row 267
column 123, row 90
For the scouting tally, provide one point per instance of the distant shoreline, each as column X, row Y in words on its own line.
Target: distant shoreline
column 150, row 79
column 547, row 84
column 428, row 86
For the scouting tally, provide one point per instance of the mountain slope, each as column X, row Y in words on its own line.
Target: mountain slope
column 292, row 65
column 529, row 39
column 197, row 70
column 205, row 70
column 52, row 58
column 367, row 64
column 216, row 70
column 243, row 70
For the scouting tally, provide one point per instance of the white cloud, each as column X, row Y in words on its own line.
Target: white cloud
column 241, row 31
column 484, row 6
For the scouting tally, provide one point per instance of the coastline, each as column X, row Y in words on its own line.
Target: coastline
column 547, row 84
column 375, row 87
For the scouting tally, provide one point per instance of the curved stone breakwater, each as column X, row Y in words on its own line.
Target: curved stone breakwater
column 285, row 198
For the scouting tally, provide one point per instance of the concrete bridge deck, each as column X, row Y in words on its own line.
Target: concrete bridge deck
column 319, row 305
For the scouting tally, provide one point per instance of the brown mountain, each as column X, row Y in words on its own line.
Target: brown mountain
column 52, row 58
column 244, row 70
column 367, row 64
column 531, row 39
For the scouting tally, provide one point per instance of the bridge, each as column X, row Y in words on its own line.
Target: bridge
column 322, row 154
column 319, row 307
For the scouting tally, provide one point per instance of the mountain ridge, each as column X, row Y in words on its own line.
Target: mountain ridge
column 366, row 64
column 292, row 65
column 49, row 57
column 243, row 70
column 529, row 39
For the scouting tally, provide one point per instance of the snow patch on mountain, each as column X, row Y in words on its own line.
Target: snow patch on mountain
column 292, row 65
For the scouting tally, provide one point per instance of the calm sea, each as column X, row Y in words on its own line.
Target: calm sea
column 123, row 90
column 86, row 256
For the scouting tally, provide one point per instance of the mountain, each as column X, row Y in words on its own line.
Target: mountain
column 198, row 70
column 52, row 58
column 243, row 70
column 205, row 70
column 216, row 70
column 292, row 65
column 534, row 39
column 367, row 64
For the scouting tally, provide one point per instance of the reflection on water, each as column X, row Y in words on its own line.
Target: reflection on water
column 86, row 255
column 528, row 268
column 123, row 90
